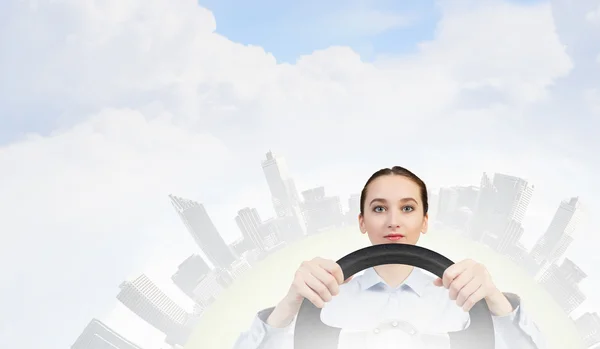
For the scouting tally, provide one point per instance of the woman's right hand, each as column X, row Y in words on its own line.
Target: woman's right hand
column 317, row 280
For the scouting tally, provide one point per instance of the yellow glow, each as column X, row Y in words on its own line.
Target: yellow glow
column 232, row 313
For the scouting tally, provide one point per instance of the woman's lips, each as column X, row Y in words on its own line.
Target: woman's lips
column 394, row 237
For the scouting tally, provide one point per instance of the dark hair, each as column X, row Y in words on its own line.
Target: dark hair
column 398, row 171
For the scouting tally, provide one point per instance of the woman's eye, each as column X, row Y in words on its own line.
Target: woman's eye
column 378, row 209
column 408, row 208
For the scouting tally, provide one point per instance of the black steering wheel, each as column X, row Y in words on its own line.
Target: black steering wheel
column 311, row 333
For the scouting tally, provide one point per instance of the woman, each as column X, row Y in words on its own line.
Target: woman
column 392, row 303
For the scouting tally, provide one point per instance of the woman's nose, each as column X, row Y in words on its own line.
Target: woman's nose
column 393, row 220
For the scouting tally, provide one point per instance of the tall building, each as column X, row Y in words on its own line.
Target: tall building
column 557, row 238
column 275, row 231
column 189, row 273
column 483, row 208
column 588, row 326
column 562, row 284
column 285, row 198
column 204, row 232
column 455, row 206
column 98, row 335
column 211, row 286
column 447, row 204
column 249, row 223
column 239, row 268
column 241, row 245
column 467, row 196
column 320, row 211
column 148, row 302
column 281, row 185
column 353, row 209
column 508, row 243
column 513, row 196
column 499, row 202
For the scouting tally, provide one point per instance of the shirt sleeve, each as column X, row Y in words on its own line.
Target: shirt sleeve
column 261, row 335
column 517, row 329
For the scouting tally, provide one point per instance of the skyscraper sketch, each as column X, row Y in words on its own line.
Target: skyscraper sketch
column 97, row 335
column 282, row 187
column 211, row 286
column 554, row 243
column 151, row 304
column 249, row 222
column 321, row 212
column 562, row 283
column 284, row 196
column 588, row 326
column 189, row 274
column 351, row 216
column 491, row 213
column 496, row 218
column 500, row 209
column 201, row 227
column 273, row 233
column 454, row 206
column 447, row 205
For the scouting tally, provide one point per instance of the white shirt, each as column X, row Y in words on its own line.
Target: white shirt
column 416, row 314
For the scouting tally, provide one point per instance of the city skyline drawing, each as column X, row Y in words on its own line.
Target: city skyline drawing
column 490, row 214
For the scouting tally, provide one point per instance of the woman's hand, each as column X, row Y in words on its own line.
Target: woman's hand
column 469, row 282
column 317, row 280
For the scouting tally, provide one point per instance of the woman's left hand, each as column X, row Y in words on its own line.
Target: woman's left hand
column 469, row 282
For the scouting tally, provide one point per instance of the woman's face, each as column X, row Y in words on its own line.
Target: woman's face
column 393, row 211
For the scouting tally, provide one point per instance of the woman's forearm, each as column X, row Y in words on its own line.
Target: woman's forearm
column 283, row 314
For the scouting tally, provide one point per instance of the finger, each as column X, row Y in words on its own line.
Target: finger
column 452, row 272
column 326, row 278
column 333, row 268
column 305, row 291
column 438, row 282
column 459, row 282
column 347, row 280
column 466, row 292
column 318, row 286
column 475, row 297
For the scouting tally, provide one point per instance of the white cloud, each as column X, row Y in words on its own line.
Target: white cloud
column 579, row 29
column 592, row 98
column 87, row 206
column 593, row 16
column 124, row 54
column 88, row 173
column 509, row 48
column 140, row 86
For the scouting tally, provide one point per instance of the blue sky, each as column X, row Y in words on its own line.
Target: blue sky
column 280, row 27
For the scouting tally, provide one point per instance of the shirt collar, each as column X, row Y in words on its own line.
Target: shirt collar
column 416, row 280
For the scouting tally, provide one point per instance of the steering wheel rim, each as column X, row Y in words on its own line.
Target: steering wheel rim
column 310, row 332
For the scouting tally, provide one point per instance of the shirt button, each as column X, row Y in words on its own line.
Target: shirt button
column 395, row 323
column 376, row 331
column 412, row 331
